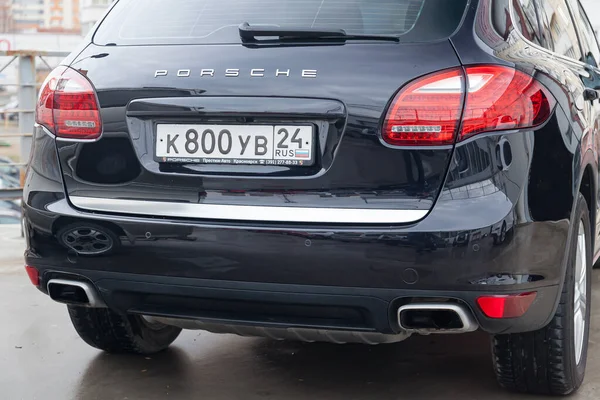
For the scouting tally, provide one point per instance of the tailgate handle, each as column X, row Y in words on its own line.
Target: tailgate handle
column 238, row 106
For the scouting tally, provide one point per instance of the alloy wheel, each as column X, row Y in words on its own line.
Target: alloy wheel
column 580, row 293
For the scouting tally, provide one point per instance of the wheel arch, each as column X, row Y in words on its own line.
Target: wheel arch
column 587, row 186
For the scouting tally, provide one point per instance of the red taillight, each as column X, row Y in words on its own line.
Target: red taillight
column 67, row 105
column 427, row 111
column 502, row 98
column 33, row 274
column 509, row 306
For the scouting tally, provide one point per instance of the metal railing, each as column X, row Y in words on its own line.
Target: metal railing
column 27, row 89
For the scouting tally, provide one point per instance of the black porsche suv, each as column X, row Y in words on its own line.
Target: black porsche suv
column 325, row 170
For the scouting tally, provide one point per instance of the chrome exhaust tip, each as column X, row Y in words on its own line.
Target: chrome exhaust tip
column 439, row 318
column 74, row 293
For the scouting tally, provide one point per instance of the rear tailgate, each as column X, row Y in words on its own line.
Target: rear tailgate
column 281, row 133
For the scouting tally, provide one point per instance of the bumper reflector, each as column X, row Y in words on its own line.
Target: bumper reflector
column 508, row 306
column 33, row 274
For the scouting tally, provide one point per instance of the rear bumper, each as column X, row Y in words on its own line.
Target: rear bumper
column 523, row 258
column 285, row 306
column 488, row 233
column 352, row 280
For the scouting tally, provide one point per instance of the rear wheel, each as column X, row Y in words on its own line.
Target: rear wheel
column 552, row 360
column 116, row 333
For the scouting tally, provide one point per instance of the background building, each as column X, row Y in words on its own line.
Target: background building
column 41, row 15
column 92, row 11
column 26, row 15
column 5, row 16
column 61, row 15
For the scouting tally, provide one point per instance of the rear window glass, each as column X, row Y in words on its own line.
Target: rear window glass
column 146, row 22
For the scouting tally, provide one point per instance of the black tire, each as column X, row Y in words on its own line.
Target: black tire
column 544, row 361
column 115, row 333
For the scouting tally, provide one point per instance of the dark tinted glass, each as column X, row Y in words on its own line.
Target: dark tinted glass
column 587, row 35
column 556, row 20
column 525, row 20
column 209, row 21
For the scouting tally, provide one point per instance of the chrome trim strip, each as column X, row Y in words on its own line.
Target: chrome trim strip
column 59, row 139
column 94, row 300
column 70, row 140
column 466, row 317
column 249, row 213
column 45, row 130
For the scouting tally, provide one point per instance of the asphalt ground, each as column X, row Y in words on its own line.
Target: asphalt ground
column 41, row 357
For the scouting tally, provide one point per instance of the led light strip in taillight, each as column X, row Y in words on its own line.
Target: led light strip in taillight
column 427, row 112
column 67, row 106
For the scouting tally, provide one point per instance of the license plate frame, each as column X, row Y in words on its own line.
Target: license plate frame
column 194, row 144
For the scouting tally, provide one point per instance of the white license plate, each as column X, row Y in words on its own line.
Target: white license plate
column 235, row 144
